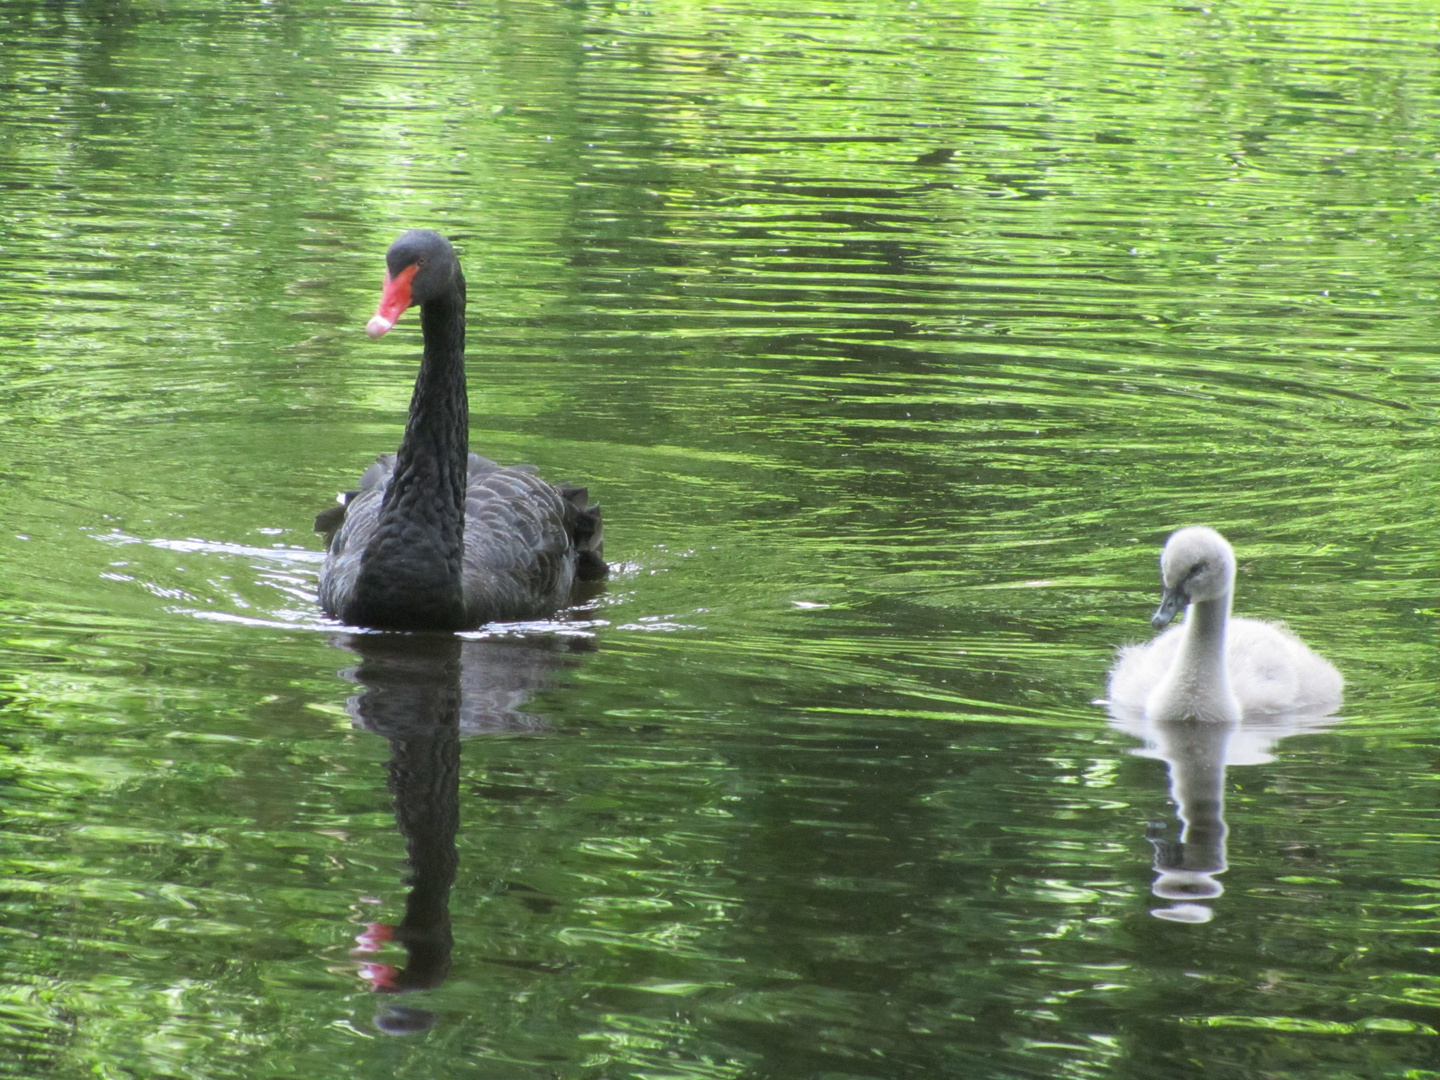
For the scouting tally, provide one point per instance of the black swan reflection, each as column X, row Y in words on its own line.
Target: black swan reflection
column 435, row 537
column 423, row 693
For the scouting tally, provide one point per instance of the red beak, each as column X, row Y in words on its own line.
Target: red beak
column 394, row 299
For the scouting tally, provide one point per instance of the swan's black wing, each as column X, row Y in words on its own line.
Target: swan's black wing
column 348, row 527
column 526, row 541
column 587, row 532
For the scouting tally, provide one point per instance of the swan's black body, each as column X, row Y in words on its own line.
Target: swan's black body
column 437, row 538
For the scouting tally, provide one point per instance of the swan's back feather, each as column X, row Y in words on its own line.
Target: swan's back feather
column 526, row 541
column 1271, row 670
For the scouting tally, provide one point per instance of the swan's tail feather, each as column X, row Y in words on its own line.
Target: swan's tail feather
column 588, row 533
column 329, row 521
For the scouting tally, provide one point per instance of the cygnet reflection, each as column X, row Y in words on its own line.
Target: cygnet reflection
column 1197, row 753
column 423, row 693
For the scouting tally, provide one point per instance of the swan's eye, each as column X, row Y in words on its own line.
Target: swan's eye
column 1198, row 569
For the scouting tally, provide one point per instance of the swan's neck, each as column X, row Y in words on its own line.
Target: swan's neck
column 411, row 571
column 432, row 459
column 1198, row 683
column 1203, row 647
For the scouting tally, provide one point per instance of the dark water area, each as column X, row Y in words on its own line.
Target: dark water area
column 894, row 340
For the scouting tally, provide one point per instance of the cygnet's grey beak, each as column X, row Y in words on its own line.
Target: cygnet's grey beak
column 1171, row 601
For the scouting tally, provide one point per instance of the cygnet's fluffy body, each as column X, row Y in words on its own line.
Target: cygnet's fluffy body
column 1213, row 667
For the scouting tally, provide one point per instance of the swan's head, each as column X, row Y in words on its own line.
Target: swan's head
column 1196, row 565
column 419, row 267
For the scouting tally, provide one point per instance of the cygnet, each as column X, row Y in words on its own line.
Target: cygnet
column 1213, row 667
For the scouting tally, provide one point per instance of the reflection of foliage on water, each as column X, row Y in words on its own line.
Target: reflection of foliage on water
column 884, row 448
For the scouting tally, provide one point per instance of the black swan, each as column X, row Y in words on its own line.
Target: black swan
column 435, row 537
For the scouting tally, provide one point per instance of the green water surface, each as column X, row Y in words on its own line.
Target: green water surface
column 893, row 339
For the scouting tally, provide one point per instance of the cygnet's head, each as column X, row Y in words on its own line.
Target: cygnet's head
column 1196, row 565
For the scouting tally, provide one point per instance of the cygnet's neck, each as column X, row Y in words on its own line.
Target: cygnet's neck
column 1198, row 683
